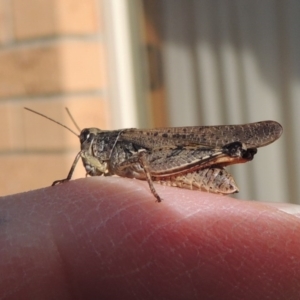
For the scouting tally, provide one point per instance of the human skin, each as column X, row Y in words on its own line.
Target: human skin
column 107, row 238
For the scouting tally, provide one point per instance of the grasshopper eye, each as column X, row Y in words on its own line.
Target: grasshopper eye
column 84, row 135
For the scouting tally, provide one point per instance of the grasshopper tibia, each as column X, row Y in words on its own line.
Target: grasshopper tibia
column 144, row 165
column 70, row 172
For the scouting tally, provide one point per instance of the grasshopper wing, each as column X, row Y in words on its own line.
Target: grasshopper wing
column 252, row 135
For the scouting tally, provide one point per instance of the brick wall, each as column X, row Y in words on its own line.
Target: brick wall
column 52, row 56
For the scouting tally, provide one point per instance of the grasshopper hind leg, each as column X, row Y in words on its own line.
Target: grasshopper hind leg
column 237, row 149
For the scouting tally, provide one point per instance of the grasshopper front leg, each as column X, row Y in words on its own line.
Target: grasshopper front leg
column 70, row 172
column 92, row 165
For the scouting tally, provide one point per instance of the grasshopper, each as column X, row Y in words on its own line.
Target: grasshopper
column 186, row 157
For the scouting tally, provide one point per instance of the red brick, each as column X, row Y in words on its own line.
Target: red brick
column 64, row 67
column 35, row 18
column 21, row 173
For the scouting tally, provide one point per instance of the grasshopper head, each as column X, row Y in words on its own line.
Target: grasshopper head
column 87, row 135
column 94, row 166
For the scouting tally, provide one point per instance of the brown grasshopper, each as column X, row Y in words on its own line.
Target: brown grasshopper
column 186, row 157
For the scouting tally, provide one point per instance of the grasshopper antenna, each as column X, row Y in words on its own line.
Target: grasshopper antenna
column 35, row 112
column 71, row 117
